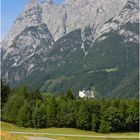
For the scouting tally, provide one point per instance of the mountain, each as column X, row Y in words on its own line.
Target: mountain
column 64, row 18
column 91, row 45
column 28, row 49
column 126, row 22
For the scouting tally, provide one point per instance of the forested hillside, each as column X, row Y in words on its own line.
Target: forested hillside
column 32, row 109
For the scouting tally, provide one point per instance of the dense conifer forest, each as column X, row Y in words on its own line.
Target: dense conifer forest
column 27, row 108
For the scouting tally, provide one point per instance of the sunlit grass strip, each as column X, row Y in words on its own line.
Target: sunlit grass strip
column 111, row 69
column 7, row 136
column 84, row 138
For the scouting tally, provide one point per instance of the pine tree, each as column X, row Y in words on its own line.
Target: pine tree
column 66, row 114
column 132, row 119
column 51, row 112
column 82, row 119
column 113, row 117
column 94, row 122
column 39, row 117
column 5, row 92
column 105, row 127
column 69, row 95
column 24, row 117
column 16, row 100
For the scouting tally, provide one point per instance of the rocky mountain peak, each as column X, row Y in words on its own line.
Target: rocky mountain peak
column 64, row 18
column 30, row 5
column 32, row 1
column 54, row 46
column 124, row 22
column 27, row 51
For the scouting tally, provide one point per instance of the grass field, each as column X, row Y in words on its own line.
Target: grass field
column 9, row 127
column 7, row 136
column 82, row 138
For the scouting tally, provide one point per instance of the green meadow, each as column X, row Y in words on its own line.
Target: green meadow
column 6, row 128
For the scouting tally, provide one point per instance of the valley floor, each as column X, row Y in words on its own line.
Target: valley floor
column 12, row 132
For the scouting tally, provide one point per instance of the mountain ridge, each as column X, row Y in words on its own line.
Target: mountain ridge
column 84, row 56
column 36, row 13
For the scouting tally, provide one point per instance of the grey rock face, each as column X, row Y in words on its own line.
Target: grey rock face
column 91, row 12
column 124, row 21
column 30, row 16
column 66, row 17
column 27, row 51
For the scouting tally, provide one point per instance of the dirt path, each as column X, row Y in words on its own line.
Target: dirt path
column 38, row 138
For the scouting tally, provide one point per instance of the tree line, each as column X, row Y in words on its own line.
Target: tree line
column 27, row 108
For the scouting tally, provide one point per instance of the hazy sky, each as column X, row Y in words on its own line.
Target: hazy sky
column 10, row 9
